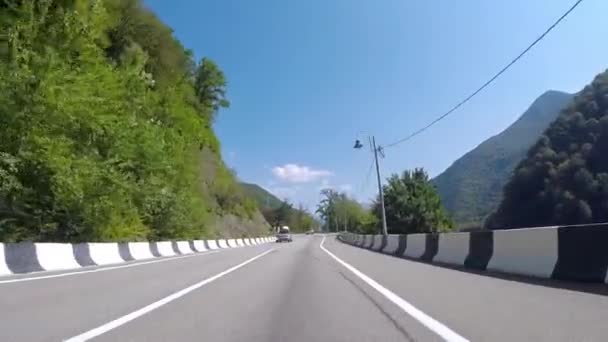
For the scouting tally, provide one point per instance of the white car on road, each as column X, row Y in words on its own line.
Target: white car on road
column 284, row 235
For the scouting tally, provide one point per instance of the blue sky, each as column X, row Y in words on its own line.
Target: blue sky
column 307, row 77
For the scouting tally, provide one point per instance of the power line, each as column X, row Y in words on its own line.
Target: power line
column 489, row 81
column 363, row 185
column 369, row 172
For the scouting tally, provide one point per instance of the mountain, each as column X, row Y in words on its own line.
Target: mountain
column 472, row 186
column 564, row 176
column 262, row 197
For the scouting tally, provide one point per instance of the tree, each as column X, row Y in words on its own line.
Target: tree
column 562, row 178
column 298, row 219
column 340, row 212
column 210, row 85
column 413, row 205
column 283, row 213
column 102, row 132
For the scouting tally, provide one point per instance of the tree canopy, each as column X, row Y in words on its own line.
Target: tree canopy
column 105, row 127
column 340, row 212
column 298, row 219
column 412, row 205
column 564, row 177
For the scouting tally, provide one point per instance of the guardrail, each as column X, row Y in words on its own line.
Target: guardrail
column 27, row 257
column 578, row 253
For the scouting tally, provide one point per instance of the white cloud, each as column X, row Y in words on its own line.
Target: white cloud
column 294, row 173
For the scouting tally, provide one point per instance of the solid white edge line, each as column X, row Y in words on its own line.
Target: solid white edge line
column 102, row 268
column 150, row 307
column 426, row 320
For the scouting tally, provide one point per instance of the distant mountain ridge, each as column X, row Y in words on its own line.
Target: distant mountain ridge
column 262, row 197
column 563, row 180
column 471, row 187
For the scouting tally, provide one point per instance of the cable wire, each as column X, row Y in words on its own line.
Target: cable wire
column 489, row 81
column 364, row 185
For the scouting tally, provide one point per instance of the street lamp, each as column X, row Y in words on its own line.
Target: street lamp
column 376, row 150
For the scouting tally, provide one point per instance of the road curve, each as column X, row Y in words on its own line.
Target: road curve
column 294, row 292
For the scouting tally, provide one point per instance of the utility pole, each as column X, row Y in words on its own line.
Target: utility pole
column 375, row 149
column 380, row 191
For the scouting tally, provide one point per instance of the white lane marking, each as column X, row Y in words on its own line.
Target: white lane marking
column 140, row 312
column 428, row 321
column 103, row 269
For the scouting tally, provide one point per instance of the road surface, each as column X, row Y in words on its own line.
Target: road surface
column 293, row 292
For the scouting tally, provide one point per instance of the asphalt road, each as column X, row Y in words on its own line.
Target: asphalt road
column 294, row 292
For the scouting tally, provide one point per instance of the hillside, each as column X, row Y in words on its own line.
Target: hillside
column 564, row 176
column 262, row 197
column 472, row 186
column 106, row 129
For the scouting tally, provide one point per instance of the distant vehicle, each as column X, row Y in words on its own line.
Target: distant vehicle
column 310, row 232
column 284, row 235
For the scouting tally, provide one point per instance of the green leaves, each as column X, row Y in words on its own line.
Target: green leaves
column 412, row 205
column 101, row 130
column 562, row 180
column 210, row 86
column 341, row 212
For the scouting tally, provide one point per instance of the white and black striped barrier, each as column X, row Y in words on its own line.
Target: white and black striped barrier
column 27, row 257
column 575, row 253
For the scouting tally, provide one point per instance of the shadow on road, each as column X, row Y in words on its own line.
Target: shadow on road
column 405, row 334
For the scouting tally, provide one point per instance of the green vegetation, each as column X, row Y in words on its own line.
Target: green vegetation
column 339, row 212
column 105, row 127
column 298, row 219
column 411, row 202
column 279, row 212
column 263, row 198
column 471, row 188
column 564, row 177
column 413, row 205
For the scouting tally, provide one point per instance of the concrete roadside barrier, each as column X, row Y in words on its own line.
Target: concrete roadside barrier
column 199, row 245
column 55, row 256
column 573, row 253
column 28, row 257
column 140, row 250
column 582, row 253
column 125, row 253
column 165, row 248
column 3, row 267
column 212, row 244
column 105, row 253
column 184, row 247
column 416, row 245
column 392, row 243
column 376, row 243
column 21, row 257
column 481, row 246
column 368, row 241
column 82, row 254
column 525, row 251
column 453, row 248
